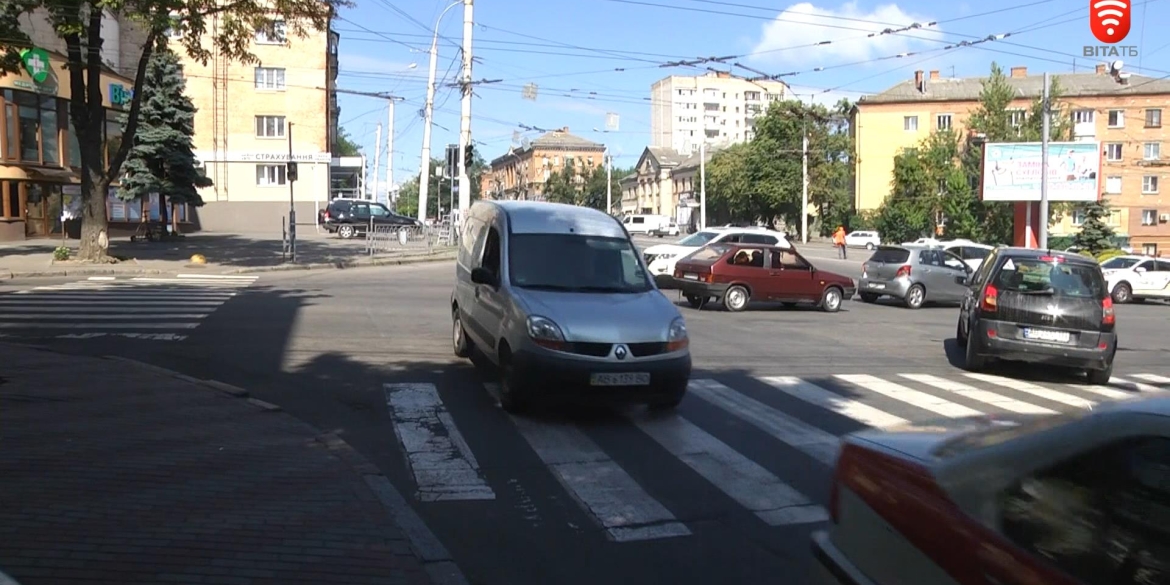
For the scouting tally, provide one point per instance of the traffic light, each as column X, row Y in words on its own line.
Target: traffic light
column 470, row 158
column 292, row 171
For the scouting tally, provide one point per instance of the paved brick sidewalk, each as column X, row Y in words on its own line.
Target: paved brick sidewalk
column 116, row 472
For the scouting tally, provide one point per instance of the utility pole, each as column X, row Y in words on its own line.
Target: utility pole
column 424, row 170
column 377, row 161
column 608, row 182
column 465, row 112
column 390, row 155
column 1045, row 108
column 703, row 179
column 290, row 172
column 804, row 187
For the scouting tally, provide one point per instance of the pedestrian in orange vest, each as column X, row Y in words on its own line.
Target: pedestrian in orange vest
column 839, row 241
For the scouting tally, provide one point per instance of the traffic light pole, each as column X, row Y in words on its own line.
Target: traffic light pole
column 290, row 177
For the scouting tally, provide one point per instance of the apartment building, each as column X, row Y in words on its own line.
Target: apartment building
column 1124, row 115
column 521, row 172
column 716, row 107
column 252, row 115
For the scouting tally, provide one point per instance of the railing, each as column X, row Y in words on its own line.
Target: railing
column 381, row 239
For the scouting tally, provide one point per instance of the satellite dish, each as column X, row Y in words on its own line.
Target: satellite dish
column 1115, row 67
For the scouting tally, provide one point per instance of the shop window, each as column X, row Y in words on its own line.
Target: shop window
column 30, row 127
column 50, row 132
column 33, row 127
column 11, row 127
column 113, row 134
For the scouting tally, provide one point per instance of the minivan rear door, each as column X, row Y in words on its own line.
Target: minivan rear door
column 1050, row 295
column 885, row 262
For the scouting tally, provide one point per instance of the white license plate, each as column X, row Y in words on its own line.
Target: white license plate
column 877, row 286
column 690, row 276
column 1047, row 335
column 625, row 379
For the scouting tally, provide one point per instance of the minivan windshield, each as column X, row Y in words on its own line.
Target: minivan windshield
column 697, row 240
column 576, row 263
column 1033, row 276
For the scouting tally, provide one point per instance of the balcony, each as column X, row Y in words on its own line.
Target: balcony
column 1084, row 131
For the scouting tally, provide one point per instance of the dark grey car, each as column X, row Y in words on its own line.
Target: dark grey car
column 913, row 273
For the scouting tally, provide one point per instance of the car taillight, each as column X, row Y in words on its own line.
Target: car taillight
column 990, row 301
column 902, row 271
column 865, row 267
column 1107, row 316
column 326, row 216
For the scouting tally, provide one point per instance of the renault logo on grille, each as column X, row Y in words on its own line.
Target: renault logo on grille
column 620, row 352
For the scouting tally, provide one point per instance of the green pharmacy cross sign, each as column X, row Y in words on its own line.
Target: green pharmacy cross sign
column 36, row 62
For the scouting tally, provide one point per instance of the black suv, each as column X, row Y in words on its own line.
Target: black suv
column 348, row 217
column 1039, row 306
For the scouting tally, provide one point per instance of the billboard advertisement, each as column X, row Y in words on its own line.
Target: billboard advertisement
column 1011, row 171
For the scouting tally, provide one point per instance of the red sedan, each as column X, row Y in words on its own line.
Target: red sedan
column 738, row 273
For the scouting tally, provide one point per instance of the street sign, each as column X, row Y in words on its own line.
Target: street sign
column 612, row 121
column 529, row 92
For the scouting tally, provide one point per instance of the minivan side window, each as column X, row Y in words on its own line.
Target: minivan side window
column 639, row 220
column 471, row 239
column 491, row 251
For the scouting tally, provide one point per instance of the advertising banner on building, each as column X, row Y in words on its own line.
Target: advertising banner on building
column 1011, row 171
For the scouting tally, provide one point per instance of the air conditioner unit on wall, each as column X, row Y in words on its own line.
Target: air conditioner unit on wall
column 1165, row 217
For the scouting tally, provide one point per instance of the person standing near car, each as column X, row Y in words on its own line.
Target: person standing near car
column 839, row 241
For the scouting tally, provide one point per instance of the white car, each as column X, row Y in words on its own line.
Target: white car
column 970, row 252
column 645, row 224
column 1137, row 278
column 867, row 240
column 661, row 258
column 1058, row 499
column 670, row 229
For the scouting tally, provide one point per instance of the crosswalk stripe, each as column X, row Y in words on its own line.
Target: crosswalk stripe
column 24, row 316
column 813, row 394
column 1107, row 392
column 973, row 393
column 155, row 311
column 99, row 326
column 910, row 396
column 110, row 303
column 814, row 442
column 443, row 466
column 1153, row 378
column 239, row 277
column 612, row 496
column 1033, row 389
column 1115, row 381
column 743, row 480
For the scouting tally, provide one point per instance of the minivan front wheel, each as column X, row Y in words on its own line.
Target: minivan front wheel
column 869, row 246
column 459, row 339
column 514, row 394
column 346, row 232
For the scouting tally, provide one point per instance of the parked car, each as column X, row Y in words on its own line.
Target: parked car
column 913, row 273
column 1064, row 499
column 661, row 258
column 736, row 274
column 1137, row 278
column 350, row 217
column 645, row 223
column 1042, row 307
column 558, row 299
column 670, row 228
column 972, row 253
column 863, row 239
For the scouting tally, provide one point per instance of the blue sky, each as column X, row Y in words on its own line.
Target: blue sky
column 571, row 51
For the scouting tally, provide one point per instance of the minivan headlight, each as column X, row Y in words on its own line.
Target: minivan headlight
column 676, row 336
column 545, row 333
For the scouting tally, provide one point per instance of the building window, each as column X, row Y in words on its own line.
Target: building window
column 1149, row 184
column 1078, row 217
column 1016, row 118
column 270, row 175
column 1082, row 116
column 943, row 121
column 270, row 78
column 271, row 33
column 910, row 123
column 1153, row 118
column 1152, row 151
column 1113, row 185
column 1117, row 118
column 1113, row 151
column 1150, row 249
column 1149, row 217
column 270, row 126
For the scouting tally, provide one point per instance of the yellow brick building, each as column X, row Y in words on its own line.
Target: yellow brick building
column 1125, row 116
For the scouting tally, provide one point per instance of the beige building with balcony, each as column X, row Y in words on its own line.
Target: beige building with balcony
column 1124, row 116
column 247, row 112
column 664, row 182
column 716, row 107
column 521, row 172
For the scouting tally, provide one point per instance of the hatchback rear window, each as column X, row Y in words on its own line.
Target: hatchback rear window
column 890, row 255
column 1035, row 276
column 708, row 255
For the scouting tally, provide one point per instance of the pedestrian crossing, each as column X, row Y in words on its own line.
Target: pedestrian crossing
column 144, row 307
column 443, row 461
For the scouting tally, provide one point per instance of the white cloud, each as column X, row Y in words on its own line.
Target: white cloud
column 798, row 26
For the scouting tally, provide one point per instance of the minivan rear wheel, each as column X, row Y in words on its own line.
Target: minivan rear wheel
column 869, row 246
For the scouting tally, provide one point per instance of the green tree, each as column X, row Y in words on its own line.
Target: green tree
column 408, row 194
column 1096, row 234
column 161, row 159
column 346, row 145
column 582, row 185
column 908, row 213
column 729, row 185
column 208, row 26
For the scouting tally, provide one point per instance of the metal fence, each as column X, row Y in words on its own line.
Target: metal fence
column 382, row 239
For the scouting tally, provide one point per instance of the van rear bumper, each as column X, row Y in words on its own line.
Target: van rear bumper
column 1087, row 354
column 555, row 376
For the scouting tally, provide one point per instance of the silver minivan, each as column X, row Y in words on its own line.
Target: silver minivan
column 559, row 299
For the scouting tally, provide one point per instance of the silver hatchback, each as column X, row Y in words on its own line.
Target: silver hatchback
column 915, row 274
column 559, row 299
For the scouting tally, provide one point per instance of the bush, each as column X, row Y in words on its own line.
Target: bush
column 61, row 253
column 1107, row 254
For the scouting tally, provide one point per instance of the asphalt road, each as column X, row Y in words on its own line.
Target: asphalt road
column 726, row 490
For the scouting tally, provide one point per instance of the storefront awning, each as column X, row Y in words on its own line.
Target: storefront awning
column 55, row 175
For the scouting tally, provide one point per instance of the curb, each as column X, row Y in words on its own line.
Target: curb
column 436, row 560
column 337, row 265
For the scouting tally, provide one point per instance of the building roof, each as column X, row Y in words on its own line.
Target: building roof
column 559, row 139
column 1027, row 87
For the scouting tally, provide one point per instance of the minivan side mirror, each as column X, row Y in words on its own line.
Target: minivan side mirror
column 482, row 275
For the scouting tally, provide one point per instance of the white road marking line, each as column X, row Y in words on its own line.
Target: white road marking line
column 101, row 278
column 600, row 485
column 128, row 316
column 813, row 394
column 444, row 468
column 910, row 396
column 1034, row 390
column 1153, row 378
column 1125, row 383
column 220, row 277
column 745, row 481
column 98, row 325
column 5, row 303
column 814, row 442
column 130, row 309
column 192, row 282
column 150, row 336
column 973, row 393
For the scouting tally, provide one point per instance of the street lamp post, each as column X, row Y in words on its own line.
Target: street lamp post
column 424, row 173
